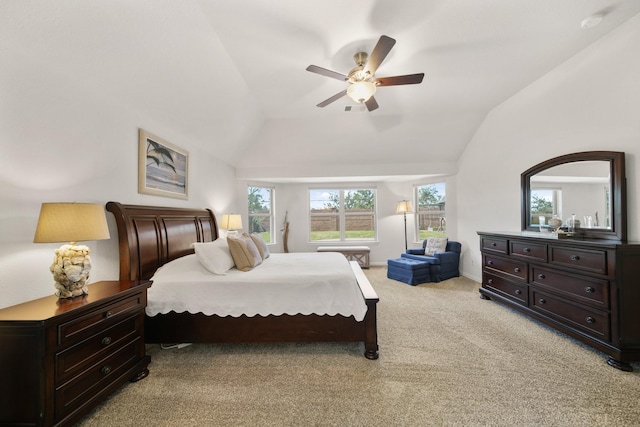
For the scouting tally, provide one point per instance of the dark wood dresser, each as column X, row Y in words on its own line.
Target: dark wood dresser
column 59, row 358
column 588, row 289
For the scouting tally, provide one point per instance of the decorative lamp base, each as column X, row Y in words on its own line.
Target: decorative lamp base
column 70, row 269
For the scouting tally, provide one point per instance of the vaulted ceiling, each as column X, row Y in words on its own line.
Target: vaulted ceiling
column 230, row 75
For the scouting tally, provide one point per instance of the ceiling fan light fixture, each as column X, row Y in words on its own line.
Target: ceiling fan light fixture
column 361, row 91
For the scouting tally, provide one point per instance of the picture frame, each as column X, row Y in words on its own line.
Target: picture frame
column 163, row 168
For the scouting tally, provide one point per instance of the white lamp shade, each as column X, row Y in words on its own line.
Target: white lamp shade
column 404, row 206
column 361, row 91
column 231, row 222
column 71, row 222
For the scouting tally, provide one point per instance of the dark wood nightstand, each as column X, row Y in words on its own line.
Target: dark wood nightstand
column 59, row 358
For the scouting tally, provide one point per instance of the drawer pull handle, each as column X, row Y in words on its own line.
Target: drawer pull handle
column 591, row 320
column 589, row 290
column 106, row 340
column 494, row 244
column 527, row 250
column 543, row 301
column 490, row 262
column 518, row 291
column 517, row 269
column 105, row 369
column 490, row 281
column 575, row 258
column 541, row 276
column 108, row 313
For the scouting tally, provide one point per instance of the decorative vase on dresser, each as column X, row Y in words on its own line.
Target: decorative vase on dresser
column 59, row 358
column 583, row 281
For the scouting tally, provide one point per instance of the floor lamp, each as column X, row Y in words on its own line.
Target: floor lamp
column 404, row 207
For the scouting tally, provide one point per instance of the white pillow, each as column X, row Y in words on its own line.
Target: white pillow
column 214, row 256
column 435, row 245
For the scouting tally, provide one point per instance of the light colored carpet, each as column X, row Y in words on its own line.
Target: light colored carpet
column 447, row 358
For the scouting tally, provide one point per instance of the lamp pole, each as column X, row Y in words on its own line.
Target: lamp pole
column 403, row 207
column 405, row 231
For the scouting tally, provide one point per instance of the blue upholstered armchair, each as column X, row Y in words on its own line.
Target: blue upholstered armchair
column 443, row 265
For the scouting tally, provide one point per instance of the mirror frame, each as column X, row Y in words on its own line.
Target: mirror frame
column 618, row 193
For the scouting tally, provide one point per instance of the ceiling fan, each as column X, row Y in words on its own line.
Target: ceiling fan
column 362, row 80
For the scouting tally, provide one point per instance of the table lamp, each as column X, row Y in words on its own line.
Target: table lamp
column 71, row 222
column 232, row 223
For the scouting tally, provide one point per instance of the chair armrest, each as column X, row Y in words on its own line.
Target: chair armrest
column 448, row 256
column 415, row 251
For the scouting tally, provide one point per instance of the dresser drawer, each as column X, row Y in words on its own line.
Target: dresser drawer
column 493, row 244
column 81, row 389
column 594, row 261
column 512, row 290
column 587, row 290
column 590, row 320
column 528, row 250
column 98, row 319
column 79, row 357
column 514, row 268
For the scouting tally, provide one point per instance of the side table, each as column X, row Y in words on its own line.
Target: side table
column 60, row 358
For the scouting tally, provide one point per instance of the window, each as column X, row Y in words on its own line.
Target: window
column 342, row 214
column 545, row 204
column 431, row 219
column 261, row 217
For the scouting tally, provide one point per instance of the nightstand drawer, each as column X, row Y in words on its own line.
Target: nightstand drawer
column 77, row 358
column 98, row 319
column 82, row 388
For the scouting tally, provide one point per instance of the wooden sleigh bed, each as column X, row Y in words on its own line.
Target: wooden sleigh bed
column 151, row 236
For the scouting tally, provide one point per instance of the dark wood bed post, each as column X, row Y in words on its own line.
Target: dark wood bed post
column 371, row 331
column 370, row 319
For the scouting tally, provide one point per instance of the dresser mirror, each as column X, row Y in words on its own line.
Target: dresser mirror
column 586, row 191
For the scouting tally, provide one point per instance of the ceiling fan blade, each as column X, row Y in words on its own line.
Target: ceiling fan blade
column 382, row 49
column 371, row 104
column 325, row 72
column 409, row 79
column 333, row 98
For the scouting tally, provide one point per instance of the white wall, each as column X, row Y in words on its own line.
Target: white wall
column 62, row 141
column 591, row 102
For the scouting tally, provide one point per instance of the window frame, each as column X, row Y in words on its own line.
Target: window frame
column 416, row 217
column 271, row 214
column 342, row 214
column 555, row 198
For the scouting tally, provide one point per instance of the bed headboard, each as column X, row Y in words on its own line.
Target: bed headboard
column 151, row 236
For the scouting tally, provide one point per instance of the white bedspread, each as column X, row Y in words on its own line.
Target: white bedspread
column 293, row 283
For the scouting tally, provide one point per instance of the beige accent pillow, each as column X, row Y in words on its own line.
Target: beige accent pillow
column 261, row 245
column 244, row 252
column 435, row 245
